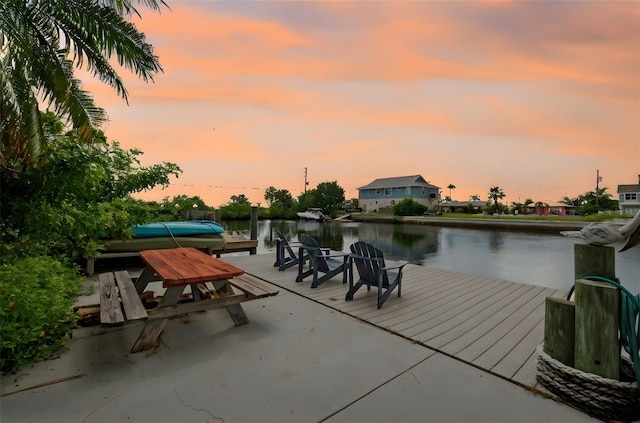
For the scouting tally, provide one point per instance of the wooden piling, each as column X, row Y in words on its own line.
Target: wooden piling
column 559, row 330
column 597, row 321
column 590, row 260
column 254, row 226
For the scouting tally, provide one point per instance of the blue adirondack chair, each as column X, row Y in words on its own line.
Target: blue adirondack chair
column 322, row 264
column 372, row 270
column 286, row 256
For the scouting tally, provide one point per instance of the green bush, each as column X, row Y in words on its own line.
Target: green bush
column 235, row 211
column 76, row 194
column 409, row 207
column 37, row 295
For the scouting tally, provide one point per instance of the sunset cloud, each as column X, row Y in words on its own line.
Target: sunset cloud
column 529, row 96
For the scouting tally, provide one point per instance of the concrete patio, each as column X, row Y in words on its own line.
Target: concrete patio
column 297, row 361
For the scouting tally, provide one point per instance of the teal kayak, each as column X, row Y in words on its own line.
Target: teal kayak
column 182, row 228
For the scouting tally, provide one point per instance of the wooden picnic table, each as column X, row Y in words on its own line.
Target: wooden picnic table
column 179, row 268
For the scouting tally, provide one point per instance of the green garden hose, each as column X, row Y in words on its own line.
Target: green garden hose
column 629, row 323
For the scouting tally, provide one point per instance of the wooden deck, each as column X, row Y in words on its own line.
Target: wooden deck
column 492, row 324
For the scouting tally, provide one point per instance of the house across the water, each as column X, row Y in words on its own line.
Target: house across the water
column 471, row 206
column 629, row 198
column 384, row 193
column 554, row 209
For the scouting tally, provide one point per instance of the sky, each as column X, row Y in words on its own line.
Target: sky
column 535, row 96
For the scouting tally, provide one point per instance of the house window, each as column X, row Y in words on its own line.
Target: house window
column 408, row 191
column 378, row 191
column 387, row 191
column 630, row 196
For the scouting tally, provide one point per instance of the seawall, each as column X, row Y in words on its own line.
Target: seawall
column 529, row 225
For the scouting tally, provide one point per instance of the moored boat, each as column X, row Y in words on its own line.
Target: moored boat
column 313, row 214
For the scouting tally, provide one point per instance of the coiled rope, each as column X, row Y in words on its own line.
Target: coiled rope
column 629, row 323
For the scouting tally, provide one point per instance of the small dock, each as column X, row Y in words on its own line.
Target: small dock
column 492, row 324
column 236, row 242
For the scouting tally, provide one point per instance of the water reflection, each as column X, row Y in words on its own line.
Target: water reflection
column 539, row 259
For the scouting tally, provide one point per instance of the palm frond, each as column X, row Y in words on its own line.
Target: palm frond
column 41, row 43
column 126, row 8
column 21, row 135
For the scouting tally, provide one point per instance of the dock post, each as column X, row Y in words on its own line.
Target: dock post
column 590, row 260
column 216, row 215
column 597, row 324
column 597, row 349
column 254, row 226
column 559, row 330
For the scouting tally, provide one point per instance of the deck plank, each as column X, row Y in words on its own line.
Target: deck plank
column 524, row 306
column 492, row 324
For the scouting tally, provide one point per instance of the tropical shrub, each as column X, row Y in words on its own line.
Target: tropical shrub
column 409, row 207
column 236, row 211
column 80, row 193
column 37, row 295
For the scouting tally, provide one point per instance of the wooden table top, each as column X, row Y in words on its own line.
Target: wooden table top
column 184, row 266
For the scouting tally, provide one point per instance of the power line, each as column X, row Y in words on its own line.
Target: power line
column 214, row 186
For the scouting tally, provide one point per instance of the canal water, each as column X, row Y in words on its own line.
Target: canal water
column 534, row 258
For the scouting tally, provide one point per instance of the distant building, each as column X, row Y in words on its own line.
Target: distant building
column 629, row 198
column 384, row 193
column 463, row 206
column 554, row 209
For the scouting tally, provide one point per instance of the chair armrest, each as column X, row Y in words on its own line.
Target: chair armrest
column 398, row 265
column 337, row 255
column 289, row 243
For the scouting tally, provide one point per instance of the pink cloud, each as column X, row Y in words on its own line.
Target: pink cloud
column 461, row 92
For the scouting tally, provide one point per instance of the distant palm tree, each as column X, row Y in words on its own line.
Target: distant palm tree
column 495, row 194
column 42, row 42
column 451, row 186
column 474, row 197
column 270, row 194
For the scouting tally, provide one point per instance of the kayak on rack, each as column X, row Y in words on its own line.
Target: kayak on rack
column 198, row 228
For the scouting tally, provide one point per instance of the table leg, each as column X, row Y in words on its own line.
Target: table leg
column 148, row 338
column 143, row 280
column 224, row 289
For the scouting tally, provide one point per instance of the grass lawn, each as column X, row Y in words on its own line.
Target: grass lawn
column 590, row 218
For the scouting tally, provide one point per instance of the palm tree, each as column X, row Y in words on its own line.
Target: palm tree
column 568, row 201
column 270, row 194
column 526, row 205
column 495, row 194
column 451, row 186
column 42, row 42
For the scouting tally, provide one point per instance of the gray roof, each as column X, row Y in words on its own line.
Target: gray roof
column 400, row 181
column 628, row 188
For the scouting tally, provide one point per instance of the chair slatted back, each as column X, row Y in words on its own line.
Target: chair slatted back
column 286, row 244
column 369, row 260
column 314, row 249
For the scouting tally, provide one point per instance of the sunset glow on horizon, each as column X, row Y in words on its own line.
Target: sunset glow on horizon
column 530, row 96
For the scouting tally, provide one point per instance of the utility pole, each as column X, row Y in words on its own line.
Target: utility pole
column 305, row 180
column 598, row 180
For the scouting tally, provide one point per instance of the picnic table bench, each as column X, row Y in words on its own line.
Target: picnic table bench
column 211, row 280
column 119, row 298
